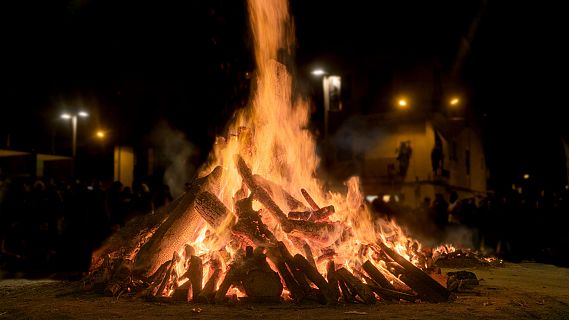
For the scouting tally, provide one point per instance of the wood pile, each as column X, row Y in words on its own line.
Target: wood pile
column 263, row 266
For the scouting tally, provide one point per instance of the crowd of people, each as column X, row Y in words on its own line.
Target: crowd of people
column 512, row 226
column 49, row 226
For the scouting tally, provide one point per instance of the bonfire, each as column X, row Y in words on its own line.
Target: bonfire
column 257, row 224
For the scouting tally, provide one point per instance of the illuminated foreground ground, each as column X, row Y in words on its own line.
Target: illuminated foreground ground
column 515, row 291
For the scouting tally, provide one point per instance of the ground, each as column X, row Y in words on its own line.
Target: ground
column 514, row 291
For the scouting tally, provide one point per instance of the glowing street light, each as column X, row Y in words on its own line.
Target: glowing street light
column 318, row 72
column 454, row 101
column 526, row 176
column 402, row 104
column 73, row 118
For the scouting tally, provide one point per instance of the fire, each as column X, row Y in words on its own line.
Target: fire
column 271, row 136
column 268, row 197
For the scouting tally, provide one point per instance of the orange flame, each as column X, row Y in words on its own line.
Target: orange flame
column 271, row 136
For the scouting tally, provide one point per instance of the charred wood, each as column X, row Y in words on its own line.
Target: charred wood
column 259, row 280
column 327, row 254
column 392, row 294
column 211, row 209
column 308, row 254
column 346, row 294
column 232, row 276
column 291, row 284
column 195, row 274
column 168, row 274
column 332, row 278
column 316, row 278
column 309, row 199
column 259, row 192
column 323, row 233
column 182, row 293
column 180, row 226
column 250, row 227
column 395, row 268
column 273, row 188
column 386, row 294
column 356, row 285
column 377, row 276
column 317, row 215
column 208, row 292
column 427, row 288
column 297, row 274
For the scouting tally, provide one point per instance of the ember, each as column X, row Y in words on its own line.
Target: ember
column 242, row 230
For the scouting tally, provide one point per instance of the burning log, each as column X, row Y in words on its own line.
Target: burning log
column 260, row 281
column 323, row 233
column 292, row 285
column 208, row 292
column 195, row 274
column 182, row 293
column 332, row 278
column 250, row 226
column 273, row 188
column 387, row 294
column 166, row 280
column 231, row 277
column 316, row 278
column 180, row 227
column 346, row 294
column 317, row 215
column 357, row 286
column 396, row 269
column 211, row 209
column 309, row 199
column 377, row 276
column 259, row 192
column 298, row 275
column 119, row 278
column 327, row 254
column 316, row 231
column 416, row 279
column 308, row 254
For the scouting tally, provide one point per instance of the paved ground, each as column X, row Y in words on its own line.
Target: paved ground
column 515, row 291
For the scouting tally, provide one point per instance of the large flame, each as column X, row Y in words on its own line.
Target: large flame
column 271, row 136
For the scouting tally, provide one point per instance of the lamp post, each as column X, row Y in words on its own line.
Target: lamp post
column 73, row 117
column 331, row 86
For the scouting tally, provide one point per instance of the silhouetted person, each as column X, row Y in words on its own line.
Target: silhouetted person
column 437, row 156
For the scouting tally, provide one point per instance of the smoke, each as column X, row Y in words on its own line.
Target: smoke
column 461, row 236
column 177, row 155
column 357, row 135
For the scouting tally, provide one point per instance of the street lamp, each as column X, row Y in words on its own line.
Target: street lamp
column 332, row 86
column 73, row 118
column 454, row 101
column 402, row 103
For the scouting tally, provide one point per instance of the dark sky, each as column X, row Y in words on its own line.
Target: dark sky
column 131, row 63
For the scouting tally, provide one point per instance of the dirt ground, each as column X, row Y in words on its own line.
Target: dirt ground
column 514, row 291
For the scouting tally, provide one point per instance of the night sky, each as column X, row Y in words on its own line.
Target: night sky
column 132, row 64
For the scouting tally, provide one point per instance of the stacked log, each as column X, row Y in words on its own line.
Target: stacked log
column 250, row 272
column 181, row 226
